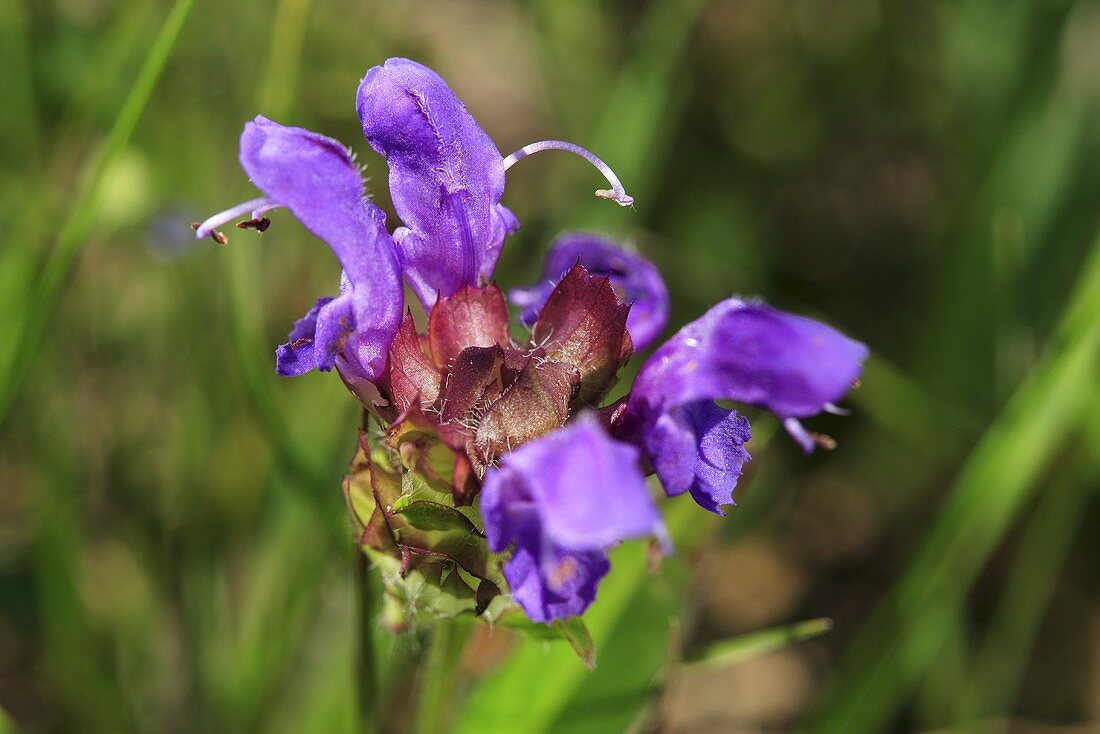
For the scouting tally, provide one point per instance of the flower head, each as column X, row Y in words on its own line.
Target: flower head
column 492, row 443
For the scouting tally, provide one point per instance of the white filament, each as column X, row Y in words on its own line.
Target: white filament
column 616, row 193
column 249, row 208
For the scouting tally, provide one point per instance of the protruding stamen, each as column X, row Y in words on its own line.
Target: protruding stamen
column 209, row 228
column 616, row 193
column 807, row 439
column 835, row 409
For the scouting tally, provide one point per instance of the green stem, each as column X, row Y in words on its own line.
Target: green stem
column 436, row 706
column 366, row 668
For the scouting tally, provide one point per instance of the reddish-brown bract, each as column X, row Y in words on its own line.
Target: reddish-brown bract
column 469, row 390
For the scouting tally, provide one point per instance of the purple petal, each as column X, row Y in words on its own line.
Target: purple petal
column 748, row 352
column 446, row 178
column 751, row 353
column 315, row 177
column 722, row 435
column 699, row 448
column 575, row 575
column 297, row 356
column 584, row 487
column 562, row 500
column 335, row 324
column 637, row 279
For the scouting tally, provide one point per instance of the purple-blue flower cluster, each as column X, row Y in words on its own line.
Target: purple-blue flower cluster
column 520, row 430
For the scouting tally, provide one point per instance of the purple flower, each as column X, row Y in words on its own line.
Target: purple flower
column 563, row 500
column 446, row 178
column 316, row 179
column 637, row 279
column 742, row 351
column 469, row 409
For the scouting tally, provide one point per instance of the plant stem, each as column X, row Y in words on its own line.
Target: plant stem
column 436, row 707
column 366, row 669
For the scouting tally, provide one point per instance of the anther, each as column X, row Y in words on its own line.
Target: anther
column 260, row 225
column 213, row 234
column 253, row 209
column 616, row 193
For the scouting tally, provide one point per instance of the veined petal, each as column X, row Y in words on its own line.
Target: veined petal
column 446, row 178
column 315, row 177
column 635, row 278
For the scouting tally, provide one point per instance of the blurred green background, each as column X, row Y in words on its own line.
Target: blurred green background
column 925, row 176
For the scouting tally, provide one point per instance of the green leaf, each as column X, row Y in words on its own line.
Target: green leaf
column 572, row 630
column 753, row 644
column 444, row 531
column 576, row 634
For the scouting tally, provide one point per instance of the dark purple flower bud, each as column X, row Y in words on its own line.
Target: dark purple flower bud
column 316, row 178
column 743, row 351
column 446, row 178
column 636, row 279
column 562, row 500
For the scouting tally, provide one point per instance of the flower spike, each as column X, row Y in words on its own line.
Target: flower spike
column 617, row 193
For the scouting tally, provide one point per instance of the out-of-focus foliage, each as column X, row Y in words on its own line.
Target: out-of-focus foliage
column 174, row 550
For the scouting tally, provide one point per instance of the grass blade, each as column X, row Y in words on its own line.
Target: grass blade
column 905, row 633
column 744, row 647
column 1003, row 657
column 24, row 344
